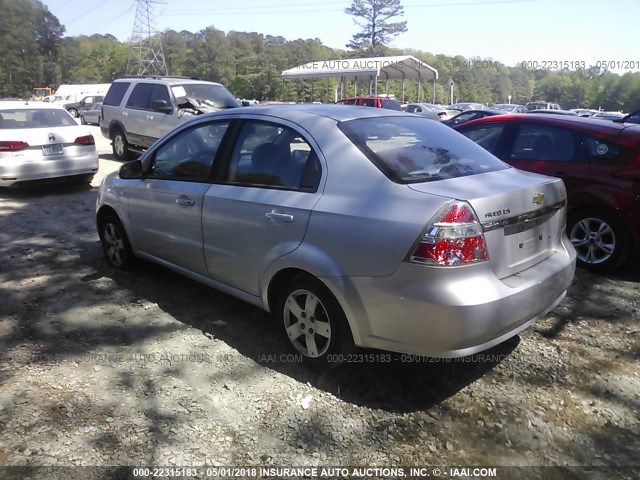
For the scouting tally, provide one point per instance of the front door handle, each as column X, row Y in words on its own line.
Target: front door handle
column 185, row 201
column 150, row 117
column 284, row 217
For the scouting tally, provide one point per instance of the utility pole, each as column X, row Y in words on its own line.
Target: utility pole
column 145, row 54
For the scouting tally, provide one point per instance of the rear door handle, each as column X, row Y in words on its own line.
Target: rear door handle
column 126, row 114
column 150, row 117
column 284, row 217
column 185, row 201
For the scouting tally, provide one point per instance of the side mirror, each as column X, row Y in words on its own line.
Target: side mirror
column 161, row 106
column 131, row 170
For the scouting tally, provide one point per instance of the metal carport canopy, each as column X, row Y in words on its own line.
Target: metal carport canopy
column 402, row 67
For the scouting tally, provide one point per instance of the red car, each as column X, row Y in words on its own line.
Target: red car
column 371, row 101
column 599, row 162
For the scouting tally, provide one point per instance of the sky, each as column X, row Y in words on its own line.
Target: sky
column 509, row 31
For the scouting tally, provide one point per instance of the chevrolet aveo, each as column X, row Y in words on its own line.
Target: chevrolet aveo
column 352, row 226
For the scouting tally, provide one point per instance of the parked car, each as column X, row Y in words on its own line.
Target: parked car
column 138, row 110
column 370, row 101
column 41, row 141
column 633, row 117
column 467, row 106
column 364, row 227
column 608, row 115
column 553, row 111
column 599, row 162
column 84, row 105
column 431, row 111
column 542, row 105
column 584, row 112
column 469, row 115
column 92, row 117
column 509, row 107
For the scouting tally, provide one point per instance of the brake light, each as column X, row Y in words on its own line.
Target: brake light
column 85, row 140
column 13, row 146
column 442, row 114
column 453, row 237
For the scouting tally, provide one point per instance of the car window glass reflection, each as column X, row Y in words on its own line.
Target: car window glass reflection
column 190, row 154
column 538, row 142
column 276, row 156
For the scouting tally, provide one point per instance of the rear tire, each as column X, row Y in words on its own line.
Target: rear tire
column 600, row 239
column 120, row 145
column 313, row 322
column 82, row 120
column 115, row 243
column 73, row 112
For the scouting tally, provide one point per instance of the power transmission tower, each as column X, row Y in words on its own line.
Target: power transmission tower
column 145, row 55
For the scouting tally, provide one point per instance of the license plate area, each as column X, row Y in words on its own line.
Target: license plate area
column 55, row 149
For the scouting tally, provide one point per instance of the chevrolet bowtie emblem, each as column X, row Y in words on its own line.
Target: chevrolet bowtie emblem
column 52, row 137
column 538, row 198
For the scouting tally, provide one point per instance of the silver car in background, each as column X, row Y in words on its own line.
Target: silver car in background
column 429, row 110
column 41, row 141
column 352, row 226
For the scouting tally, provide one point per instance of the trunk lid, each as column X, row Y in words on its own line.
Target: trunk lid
column 522, row 214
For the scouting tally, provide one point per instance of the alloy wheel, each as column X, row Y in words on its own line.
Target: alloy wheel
column 114, row 245
column 306, row 323
column 594, row 240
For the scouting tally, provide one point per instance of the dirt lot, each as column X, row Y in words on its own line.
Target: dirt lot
column 99, row 367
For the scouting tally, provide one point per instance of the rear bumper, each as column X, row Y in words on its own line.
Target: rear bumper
column 452, row 312
column 28, row 170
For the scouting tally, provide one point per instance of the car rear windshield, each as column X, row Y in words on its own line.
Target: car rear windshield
column 415, row 150
column 35, row 118
column 215, row 96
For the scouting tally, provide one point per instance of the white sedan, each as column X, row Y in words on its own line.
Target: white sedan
column 41, row 141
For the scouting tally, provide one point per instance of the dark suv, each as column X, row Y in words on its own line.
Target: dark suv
column 138, row 110
column 84, row 105
column 599, row 162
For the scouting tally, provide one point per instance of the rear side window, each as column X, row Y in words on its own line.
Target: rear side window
column 368, row 102
column 541, row 142
column 272, row 155
column 391, row 105
column 486, row 135
column 116, row 93
column 411, row 150
column 141, row 96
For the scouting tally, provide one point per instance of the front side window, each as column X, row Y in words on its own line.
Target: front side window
column 541, row 142
column 189, row 155
column 391, row 104
column 272, row 155
column 160, row 93
column 411, row 150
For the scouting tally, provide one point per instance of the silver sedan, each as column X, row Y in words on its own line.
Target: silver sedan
column 352, row 226
column 41, row 141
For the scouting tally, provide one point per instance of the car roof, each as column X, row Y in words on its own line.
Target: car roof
column 339, row 113
column 166, row 80
column 575, row 122
column 25, row 105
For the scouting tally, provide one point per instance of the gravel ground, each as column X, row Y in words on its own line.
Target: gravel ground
column 99, row 367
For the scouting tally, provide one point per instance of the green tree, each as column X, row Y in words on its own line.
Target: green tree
column 374, row 19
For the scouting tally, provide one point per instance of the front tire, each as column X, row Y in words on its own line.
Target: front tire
column 82, row 120
column 313, row 322
column 115, row 243
column 120, row 145
column 600, row 239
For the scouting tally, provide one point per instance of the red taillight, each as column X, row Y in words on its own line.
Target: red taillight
column 442, row 114
column 85, row 140
column 453, row 237
column 13, row 146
